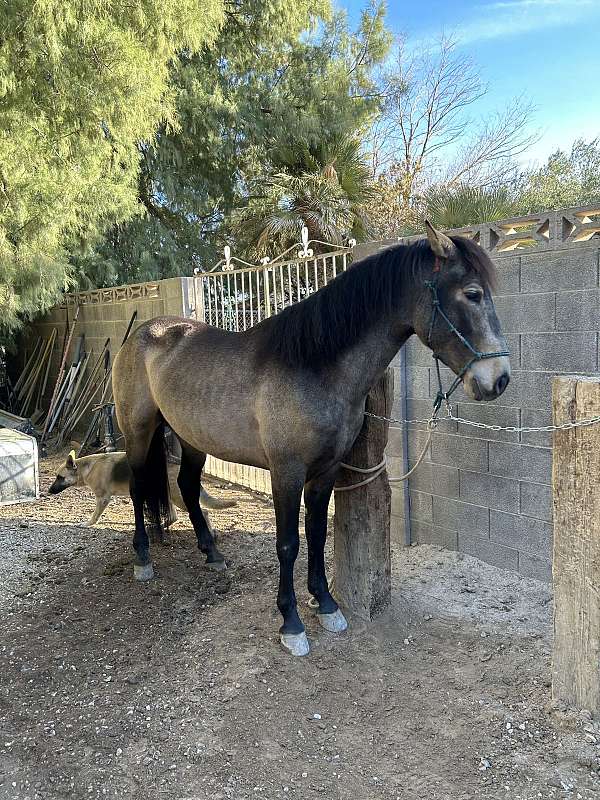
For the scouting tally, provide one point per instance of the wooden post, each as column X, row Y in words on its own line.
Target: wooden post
column 576, row 565
column 362, row 516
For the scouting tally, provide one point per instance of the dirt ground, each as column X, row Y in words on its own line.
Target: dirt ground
column 178, row 690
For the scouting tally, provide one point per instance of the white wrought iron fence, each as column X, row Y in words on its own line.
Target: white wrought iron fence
column 235, row 295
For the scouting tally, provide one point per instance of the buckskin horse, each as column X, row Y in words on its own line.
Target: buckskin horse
column 288, row 394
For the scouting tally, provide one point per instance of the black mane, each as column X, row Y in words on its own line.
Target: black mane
column 313, row 332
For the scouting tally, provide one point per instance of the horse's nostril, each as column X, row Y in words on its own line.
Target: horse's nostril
column 501, row 383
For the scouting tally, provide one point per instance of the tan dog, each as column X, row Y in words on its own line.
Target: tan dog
column 108, row 474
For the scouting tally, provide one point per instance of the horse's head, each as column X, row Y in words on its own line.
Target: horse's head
column 456, row 317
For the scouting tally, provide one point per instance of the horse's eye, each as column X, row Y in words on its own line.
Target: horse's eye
column 473, row 294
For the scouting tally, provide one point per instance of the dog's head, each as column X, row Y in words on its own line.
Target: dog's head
column 67, row 475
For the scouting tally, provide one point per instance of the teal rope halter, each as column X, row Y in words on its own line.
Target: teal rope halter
column 442, row 396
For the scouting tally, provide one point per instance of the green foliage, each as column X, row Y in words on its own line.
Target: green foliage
column 278, row 73
column 324, row 188
column 465, row 205
column 80, row 85
column 567, row 179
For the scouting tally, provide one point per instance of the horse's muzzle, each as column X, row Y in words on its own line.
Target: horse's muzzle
column 487, row 379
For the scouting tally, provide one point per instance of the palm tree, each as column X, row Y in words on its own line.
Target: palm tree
column 324, row 187
column 464, row 205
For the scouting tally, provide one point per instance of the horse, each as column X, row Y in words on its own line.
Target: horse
column 288, row 394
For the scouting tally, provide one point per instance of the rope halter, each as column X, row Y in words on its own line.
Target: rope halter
column 476, row 355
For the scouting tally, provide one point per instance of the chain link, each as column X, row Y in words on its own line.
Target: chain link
column 450, row 417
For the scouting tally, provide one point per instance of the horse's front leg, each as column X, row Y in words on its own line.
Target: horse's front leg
column 317, row 494
column 287, row 493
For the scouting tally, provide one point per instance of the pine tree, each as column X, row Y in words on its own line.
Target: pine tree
column 81, row 84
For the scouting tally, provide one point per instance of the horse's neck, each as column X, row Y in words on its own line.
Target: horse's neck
column 366, row 362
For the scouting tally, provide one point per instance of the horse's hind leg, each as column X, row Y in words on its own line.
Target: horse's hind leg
column 188, row 480
column 317, row 494
column 137, row 447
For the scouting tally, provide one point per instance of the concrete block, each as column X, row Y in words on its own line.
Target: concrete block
column 520, row 461
column 525, row 534
column 398, row 505
column 536, row 418
column 397, row 531
column 417, row 439
column 435, row 478
column 417, row 354
column 458, row 516
column 499, row 493
column 528, row 389
column 526, row 312
column 490, row 552
column 537, row 568
column 536, row 500
column 489, row 414
column 431, row 534
column 417, row 382
column 572, row 268
column 578, row 311
column 395, row 442
column 513, row 343
column 421, row 509
column 464, row 452
column 560, row 352
column 508, row 275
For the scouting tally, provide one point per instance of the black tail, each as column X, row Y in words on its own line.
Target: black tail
column 156, row 483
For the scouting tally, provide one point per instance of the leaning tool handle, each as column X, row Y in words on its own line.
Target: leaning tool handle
column 108, row 370
column 60, row 372
column 129, row 327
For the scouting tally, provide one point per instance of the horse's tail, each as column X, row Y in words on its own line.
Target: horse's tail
column 157, row 502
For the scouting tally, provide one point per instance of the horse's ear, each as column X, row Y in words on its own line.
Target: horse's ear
column 442, row 245
column 71, row 460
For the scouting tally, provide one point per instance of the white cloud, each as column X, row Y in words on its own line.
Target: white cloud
column 508, row 18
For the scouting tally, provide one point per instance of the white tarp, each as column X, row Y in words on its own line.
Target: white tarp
column 19, row 474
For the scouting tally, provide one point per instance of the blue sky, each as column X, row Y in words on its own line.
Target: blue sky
column 546, row 50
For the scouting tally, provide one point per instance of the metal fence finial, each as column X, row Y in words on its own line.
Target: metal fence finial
column 305, row 252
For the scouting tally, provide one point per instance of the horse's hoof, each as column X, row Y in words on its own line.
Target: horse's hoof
column 143, row 572
column 218, row 566
column 295, row 643
column 334, row 623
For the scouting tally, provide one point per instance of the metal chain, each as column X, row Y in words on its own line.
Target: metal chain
column 450, row 417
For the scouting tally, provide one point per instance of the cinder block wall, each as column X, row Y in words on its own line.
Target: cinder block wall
column 103, row 314
column 489, row 493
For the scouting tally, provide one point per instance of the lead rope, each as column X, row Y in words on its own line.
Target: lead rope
column 379, row 469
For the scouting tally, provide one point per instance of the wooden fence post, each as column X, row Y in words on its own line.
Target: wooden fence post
column 576, row 563
column 362, row 516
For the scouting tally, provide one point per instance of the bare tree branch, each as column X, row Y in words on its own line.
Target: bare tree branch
column 426, row 133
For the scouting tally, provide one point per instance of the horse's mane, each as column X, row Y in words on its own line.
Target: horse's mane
column 313, row 332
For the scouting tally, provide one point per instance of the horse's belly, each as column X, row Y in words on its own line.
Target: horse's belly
column 231, row 439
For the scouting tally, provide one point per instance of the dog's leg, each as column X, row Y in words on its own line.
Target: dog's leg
column 101, row 503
